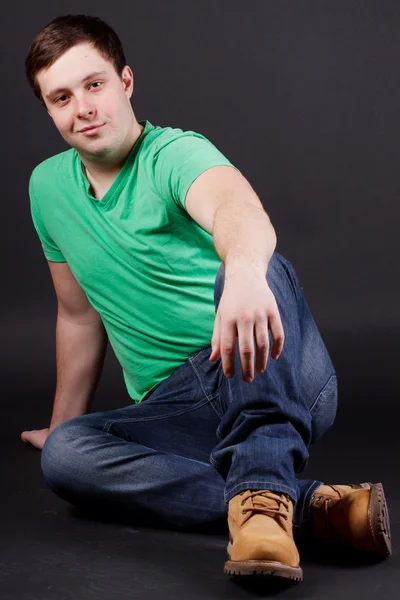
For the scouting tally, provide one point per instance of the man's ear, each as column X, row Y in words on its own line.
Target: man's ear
column 128, row 80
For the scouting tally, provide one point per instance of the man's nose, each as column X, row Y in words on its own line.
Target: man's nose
column 85, row 109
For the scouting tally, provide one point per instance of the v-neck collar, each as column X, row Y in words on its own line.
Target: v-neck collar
column 111, row 194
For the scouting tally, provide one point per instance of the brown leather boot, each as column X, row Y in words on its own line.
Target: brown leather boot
column 261, row 536
column 353, row 515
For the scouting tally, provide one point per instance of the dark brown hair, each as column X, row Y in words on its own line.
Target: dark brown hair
column 65, row 32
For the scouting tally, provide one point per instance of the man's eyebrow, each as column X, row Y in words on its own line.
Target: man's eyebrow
column 63, row 89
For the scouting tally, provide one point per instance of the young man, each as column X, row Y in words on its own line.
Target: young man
column 156, row 242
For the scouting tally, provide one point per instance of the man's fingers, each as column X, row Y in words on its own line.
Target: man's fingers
column 215, row 340
column 252, row 331
column 262, row 344
column 227, row 347
column 275, row 324
column 246, row 348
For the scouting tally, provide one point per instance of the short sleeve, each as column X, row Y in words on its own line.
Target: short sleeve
column 50, row 249
column 180, row 160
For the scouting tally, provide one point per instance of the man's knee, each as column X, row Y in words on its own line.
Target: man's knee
column 59, row 455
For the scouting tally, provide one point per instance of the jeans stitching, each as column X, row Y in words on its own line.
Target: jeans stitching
column 199, row 404
column 213, row 406
column 197, row 373
column 319, row 397
column 195, row 356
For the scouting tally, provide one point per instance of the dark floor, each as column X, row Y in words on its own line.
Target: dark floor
column 51, row 552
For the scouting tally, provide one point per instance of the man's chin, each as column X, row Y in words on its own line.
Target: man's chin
column 98, row 151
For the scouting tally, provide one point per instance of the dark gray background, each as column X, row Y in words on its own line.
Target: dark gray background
column 303, row 96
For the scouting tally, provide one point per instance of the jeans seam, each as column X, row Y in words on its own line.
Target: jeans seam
column 194, row 357
column 214, row 407
column 314, row 405
column 192, row 362
column 107, row 426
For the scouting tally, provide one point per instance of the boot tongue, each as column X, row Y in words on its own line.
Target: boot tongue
column 265, row 501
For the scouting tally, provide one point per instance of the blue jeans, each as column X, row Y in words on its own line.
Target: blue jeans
column 200, row 438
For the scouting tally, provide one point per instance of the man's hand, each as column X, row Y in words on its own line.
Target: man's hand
column 247, row 310
column 37, row 437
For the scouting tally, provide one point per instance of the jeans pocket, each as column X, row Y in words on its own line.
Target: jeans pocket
column 200, row 355
column 323, row 411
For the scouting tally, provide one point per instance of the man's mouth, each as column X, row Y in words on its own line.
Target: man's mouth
column 91, row 129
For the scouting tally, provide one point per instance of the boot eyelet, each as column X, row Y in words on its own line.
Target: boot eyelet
column 241, row 493
column 244, row 512
column 243, row 502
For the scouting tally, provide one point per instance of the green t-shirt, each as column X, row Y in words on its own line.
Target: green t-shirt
column 145, row 265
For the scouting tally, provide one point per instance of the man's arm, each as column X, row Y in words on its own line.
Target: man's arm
column 223, row 202
column 81, row 343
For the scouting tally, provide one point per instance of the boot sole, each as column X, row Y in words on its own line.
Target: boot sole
column 378, row 516
column 263, row 567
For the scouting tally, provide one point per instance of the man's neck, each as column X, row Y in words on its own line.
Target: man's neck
column 102, row 174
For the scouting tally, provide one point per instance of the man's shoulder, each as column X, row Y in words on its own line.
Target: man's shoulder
column 160, row 137
column 47, row 171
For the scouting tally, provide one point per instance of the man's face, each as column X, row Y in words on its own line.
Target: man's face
column 82, row 90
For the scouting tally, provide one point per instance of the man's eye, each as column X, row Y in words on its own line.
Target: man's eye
column 60, row 99
column 96, row 83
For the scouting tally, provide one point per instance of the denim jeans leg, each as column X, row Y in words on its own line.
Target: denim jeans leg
column 267, row 425
column 147, row 463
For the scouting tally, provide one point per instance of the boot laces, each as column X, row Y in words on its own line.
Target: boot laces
column 280, row 510
column 328, row 529
column 328, row 500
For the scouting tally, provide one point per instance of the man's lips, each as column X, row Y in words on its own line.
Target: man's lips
column 91, row 128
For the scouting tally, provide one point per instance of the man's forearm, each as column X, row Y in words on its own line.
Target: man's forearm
column 80, row 353
column 243, row 237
